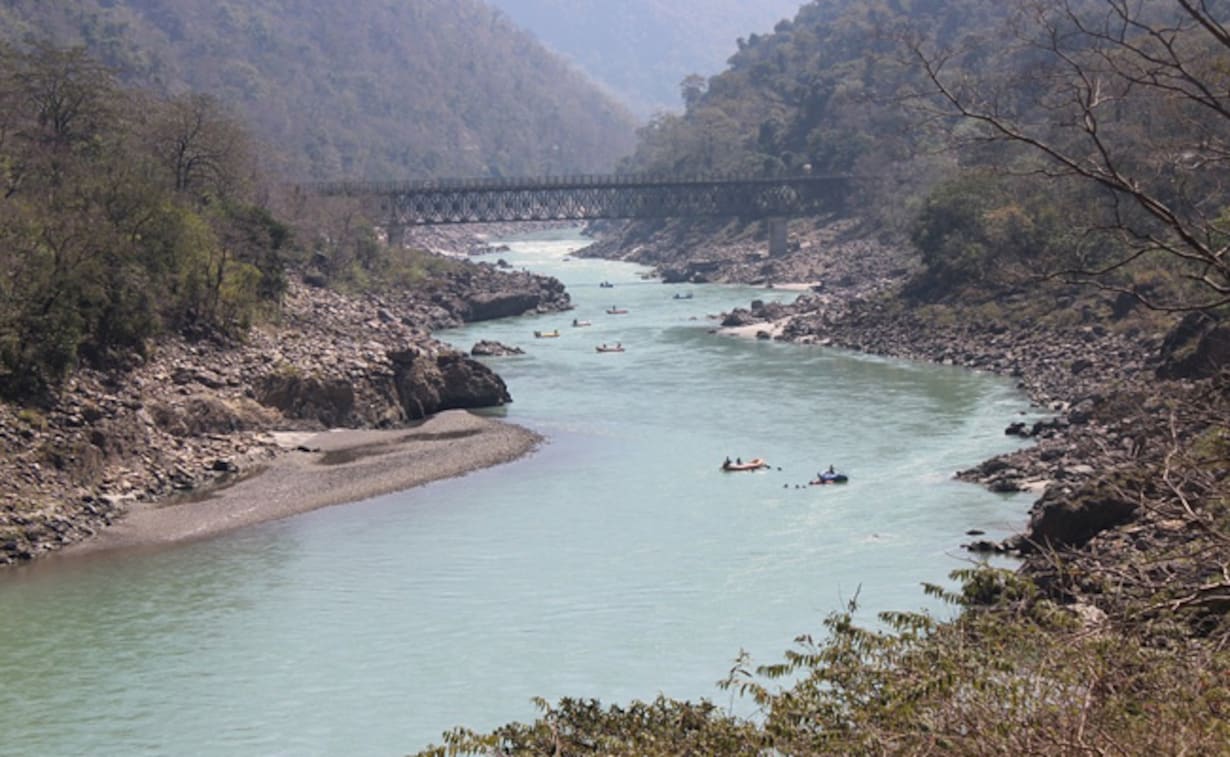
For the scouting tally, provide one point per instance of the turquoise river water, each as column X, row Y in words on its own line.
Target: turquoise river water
column 615, row 562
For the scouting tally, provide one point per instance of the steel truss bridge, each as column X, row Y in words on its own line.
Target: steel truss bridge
column 591, row 197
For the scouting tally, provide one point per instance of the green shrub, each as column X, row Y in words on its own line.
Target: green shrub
column 32, row 418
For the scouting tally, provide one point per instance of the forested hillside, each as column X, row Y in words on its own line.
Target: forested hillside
column 643, row 49
column 374, row 89
column 1077, row 137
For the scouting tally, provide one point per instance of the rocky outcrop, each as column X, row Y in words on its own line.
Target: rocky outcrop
column 486, row 307
column 761, row 312
column 1063, row 365
column 691, row 272
column 203, row 414
column 482, row 292
column 468, row 384
column 429, row 383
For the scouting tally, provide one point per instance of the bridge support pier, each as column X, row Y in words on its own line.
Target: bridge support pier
column 395, row 233
column 777, row 237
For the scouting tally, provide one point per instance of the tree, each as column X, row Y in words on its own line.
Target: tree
column 1129, row 97
column 693, row 88
column 65, row 95
column 53, row 102
column 203, row 148
column 55, row 133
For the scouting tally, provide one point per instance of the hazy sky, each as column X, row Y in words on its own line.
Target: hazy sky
column 642, row 49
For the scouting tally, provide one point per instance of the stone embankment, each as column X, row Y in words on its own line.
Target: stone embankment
column 194, row 414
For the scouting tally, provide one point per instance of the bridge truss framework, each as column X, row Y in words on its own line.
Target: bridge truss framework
column 453, row 201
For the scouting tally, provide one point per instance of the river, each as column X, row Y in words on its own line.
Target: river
column 615, row 562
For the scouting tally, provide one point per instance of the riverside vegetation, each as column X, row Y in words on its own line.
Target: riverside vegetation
column 1016, row 209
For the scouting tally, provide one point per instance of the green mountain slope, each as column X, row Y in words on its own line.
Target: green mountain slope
column 821, row 90
column 643, row 49
column 376, row 89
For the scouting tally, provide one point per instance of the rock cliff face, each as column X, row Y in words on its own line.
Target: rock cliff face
column 192, row 414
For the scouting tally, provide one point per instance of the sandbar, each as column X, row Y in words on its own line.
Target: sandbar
column 320, row 470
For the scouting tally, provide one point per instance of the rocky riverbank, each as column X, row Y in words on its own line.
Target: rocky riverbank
column 194, row 415
column 1122, row 466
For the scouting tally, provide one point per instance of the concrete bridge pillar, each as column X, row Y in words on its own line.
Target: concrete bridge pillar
column 777, row 237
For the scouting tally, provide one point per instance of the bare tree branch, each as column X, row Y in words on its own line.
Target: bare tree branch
column 1102, row 75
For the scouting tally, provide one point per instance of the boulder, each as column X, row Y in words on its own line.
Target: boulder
column 770, row 311
column 1017, row 428
column 469, row 384
column 1065, row 519
column 487, row 348
column 428, row 383
column 985, row 546
column 739, row 317
column 1198, row 347
column 222, row 465
column 187, row 374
